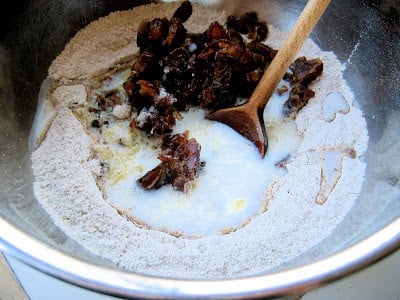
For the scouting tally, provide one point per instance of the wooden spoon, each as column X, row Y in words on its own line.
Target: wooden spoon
column 247, row 119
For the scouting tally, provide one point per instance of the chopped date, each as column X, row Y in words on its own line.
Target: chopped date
column 142, row 93
column 228, row 50
column 159, row 117
column 303, row 73
column 183, row 12
column 176, row 61
column 164, row 100
column 147, row 89
column 157, row 29
column 262, row 49
column 146, row 66
column 178, row 75
column 180, row 164
column 221, row 50
column 259, row 32
column 152, row 32
column 244, row 23
column 155, row 122
column 298, row 98
column 154, row 178
column 143, row 63
column 251, row 60
column 176, row 34
column 249, row 24
column 236, row 37
column 216, row 32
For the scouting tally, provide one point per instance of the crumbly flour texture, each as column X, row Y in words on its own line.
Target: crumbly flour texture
column 305, row 205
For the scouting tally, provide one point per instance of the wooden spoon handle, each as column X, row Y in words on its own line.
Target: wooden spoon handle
column 286, row 54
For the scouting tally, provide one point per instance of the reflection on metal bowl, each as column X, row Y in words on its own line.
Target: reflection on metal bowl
column 365, row 36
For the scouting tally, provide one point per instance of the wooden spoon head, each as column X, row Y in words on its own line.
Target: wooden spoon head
column 248, row 122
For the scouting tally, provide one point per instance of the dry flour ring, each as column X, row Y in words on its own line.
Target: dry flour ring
column 257, row 215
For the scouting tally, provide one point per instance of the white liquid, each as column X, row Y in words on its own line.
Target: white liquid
column 231, row 186
column 334, row 103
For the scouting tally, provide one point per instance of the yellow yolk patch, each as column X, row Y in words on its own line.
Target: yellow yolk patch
column 237, row 205
column 121, row 163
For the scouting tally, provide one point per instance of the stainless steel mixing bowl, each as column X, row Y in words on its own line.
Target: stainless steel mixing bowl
column 365, row 35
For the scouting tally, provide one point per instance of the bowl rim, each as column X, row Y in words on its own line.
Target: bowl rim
column 128, row 284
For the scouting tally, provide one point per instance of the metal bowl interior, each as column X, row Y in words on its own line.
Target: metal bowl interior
column 365, row 36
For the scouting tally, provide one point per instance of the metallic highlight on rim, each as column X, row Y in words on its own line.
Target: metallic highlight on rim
column 118, row 283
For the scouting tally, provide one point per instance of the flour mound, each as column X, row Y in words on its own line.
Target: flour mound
column 109, row 43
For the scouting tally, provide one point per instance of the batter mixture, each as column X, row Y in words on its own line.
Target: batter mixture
column 244, row 215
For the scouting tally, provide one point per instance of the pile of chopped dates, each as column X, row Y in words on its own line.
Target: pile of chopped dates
column 177, row 70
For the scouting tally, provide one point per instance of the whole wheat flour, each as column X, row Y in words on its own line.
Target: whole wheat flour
column 323, row 179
